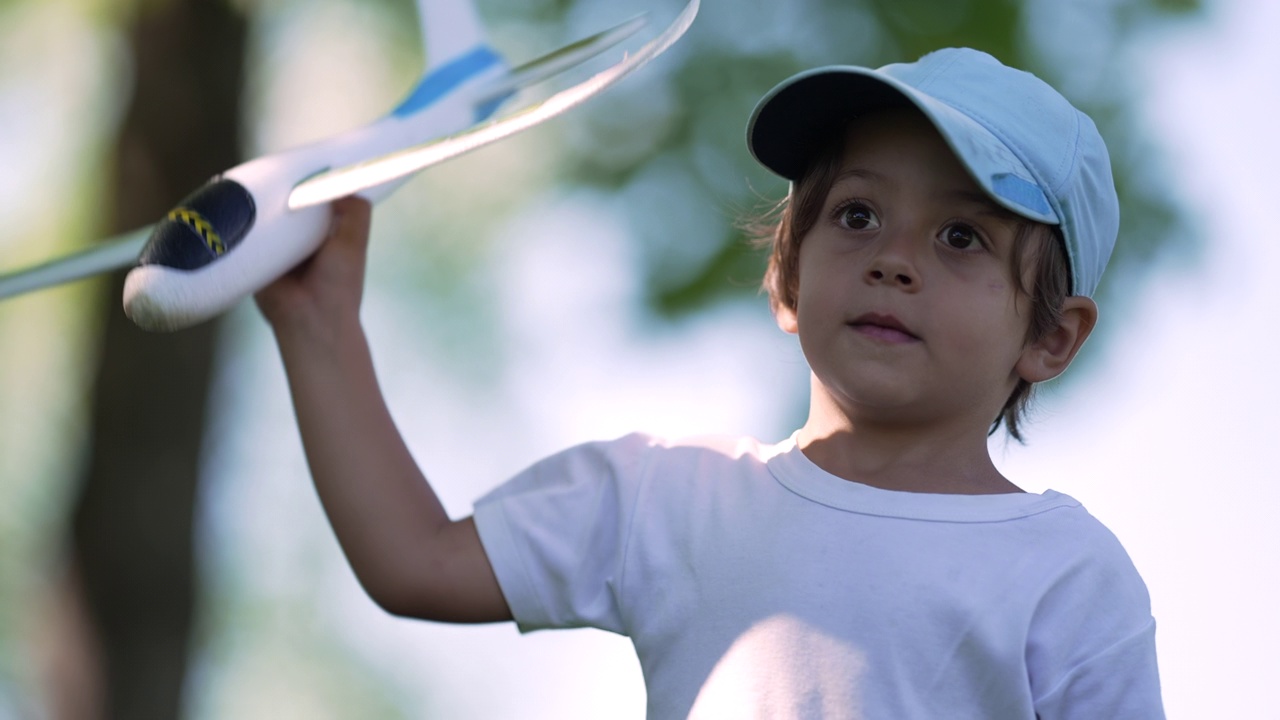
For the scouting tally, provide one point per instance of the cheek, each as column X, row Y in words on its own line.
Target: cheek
column 991, row 322
column 999, row 293
column 823, row 292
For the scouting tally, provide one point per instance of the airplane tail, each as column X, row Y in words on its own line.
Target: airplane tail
column 456, row 50
column 450, row 29
column 390, row 169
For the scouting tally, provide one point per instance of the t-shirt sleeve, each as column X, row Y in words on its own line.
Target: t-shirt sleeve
column 1092, row 650
column 1121, row 682
column 556, row 534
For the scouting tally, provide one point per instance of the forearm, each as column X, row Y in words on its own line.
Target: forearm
column 387, row 518
column 372, row 491
column 408, row 555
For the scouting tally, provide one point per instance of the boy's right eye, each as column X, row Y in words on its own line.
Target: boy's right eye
column 857, row 216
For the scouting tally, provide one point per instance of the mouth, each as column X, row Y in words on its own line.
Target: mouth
column 883, row 327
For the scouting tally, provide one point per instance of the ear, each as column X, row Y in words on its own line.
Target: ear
column 786, row 318
column 1047, row 357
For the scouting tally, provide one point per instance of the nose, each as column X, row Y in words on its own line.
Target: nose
column 894, row 263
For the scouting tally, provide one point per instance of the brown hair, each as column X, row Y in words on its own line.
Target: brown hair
column 1037, row 248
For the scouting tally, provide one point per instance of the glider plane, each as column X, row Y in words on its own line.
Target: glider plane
column 252, row 223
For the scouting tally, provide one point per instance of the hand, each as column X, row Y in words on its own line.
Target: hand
column 326, row 288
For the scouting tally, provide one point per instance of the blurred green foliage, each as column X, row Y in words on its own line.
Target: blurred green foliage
column 738, row 49
column 672, row 137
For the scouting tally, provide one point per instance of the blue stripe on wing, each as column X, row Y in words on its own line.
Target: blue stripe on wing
column 444, row 79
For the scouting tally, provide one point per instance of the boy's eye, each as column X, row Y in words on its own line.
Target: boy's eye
column 857, row 216
column 959, row 236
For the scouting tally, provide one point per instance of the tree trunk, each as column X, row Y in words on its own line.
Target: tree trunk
column 131, row 531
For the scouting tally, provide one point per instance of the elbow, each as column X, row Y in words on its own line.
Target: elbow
column 385, row 588
column 435, row 604
column 406, row 600
column 395, row 605
column 392, row 598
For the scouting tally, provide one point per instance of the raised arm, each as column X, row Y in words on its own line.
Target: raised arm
column 409, row 556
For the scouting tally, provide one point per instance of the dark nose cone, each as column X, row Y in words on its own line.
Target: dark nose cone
column 208, row 224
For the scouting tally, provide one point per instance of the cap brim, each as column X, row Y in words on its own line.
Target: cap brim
column 793, row 120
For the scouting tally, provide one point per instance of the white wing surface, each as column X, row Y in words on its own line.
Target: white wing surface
column 352, row 179
column 112, row 254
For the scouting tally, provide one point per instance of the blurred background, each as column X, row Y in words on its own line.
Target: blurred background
column 162, row 553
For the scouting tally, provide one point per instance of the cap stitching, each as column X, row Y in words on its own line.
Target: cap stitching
column 1068, row 167
column 930, row 76
column 1071, row 157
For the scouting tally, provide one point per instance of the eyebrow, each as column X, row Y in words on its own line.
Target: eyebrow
column 861, row 173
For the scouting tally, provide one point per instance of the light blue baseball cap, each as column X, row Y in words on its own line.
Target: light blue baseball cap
column 1024, row 144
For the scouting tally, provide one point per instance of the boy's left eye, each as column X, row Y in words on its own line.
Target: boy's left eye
column 960, row 236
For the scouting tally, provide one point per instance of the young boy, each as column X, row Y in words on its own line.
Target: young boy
column 947, row 221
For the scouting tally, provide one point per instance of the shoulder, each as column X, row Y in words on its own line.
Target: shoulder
column 1087, row 554
column 644, row 448
column 630, row 459
column 1080, row 568
column 1093, row 599
column 1091, row 645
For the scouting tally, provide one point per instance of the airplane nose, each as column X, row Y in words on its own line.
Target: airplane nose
column 206, row 225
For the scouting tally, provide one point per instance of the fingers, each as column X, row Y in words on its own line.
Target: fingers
column 350, row 223
column 329, row 283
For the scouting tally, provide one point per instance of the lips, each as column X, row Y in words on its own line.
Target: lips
column 883, row 327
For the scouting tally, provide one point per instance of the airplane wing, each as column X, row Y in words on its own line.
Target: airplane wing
column 557, row 61
column 114, row 253
column 340, row 182
column 123, row 250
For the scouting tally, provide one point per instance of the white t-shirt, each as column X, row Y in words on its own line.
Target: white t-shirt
column 754, row 584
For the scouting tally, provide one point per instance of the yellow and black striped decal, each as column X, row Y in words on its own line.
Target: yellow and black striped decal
column 203, row 228
column 207, row 225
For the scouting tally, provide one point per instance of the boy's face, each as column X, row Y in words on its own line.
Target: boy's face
column 906, row 311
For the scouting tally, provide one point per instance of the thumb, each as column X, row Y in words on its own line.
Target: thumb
column 350, row 223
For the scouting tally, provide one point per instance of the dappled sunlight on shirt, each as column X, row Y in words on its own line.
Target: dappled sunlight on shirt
column 783, row 667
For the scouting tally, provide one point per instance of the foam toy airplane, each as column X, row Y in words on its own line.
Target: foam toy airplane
column 254, row 222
